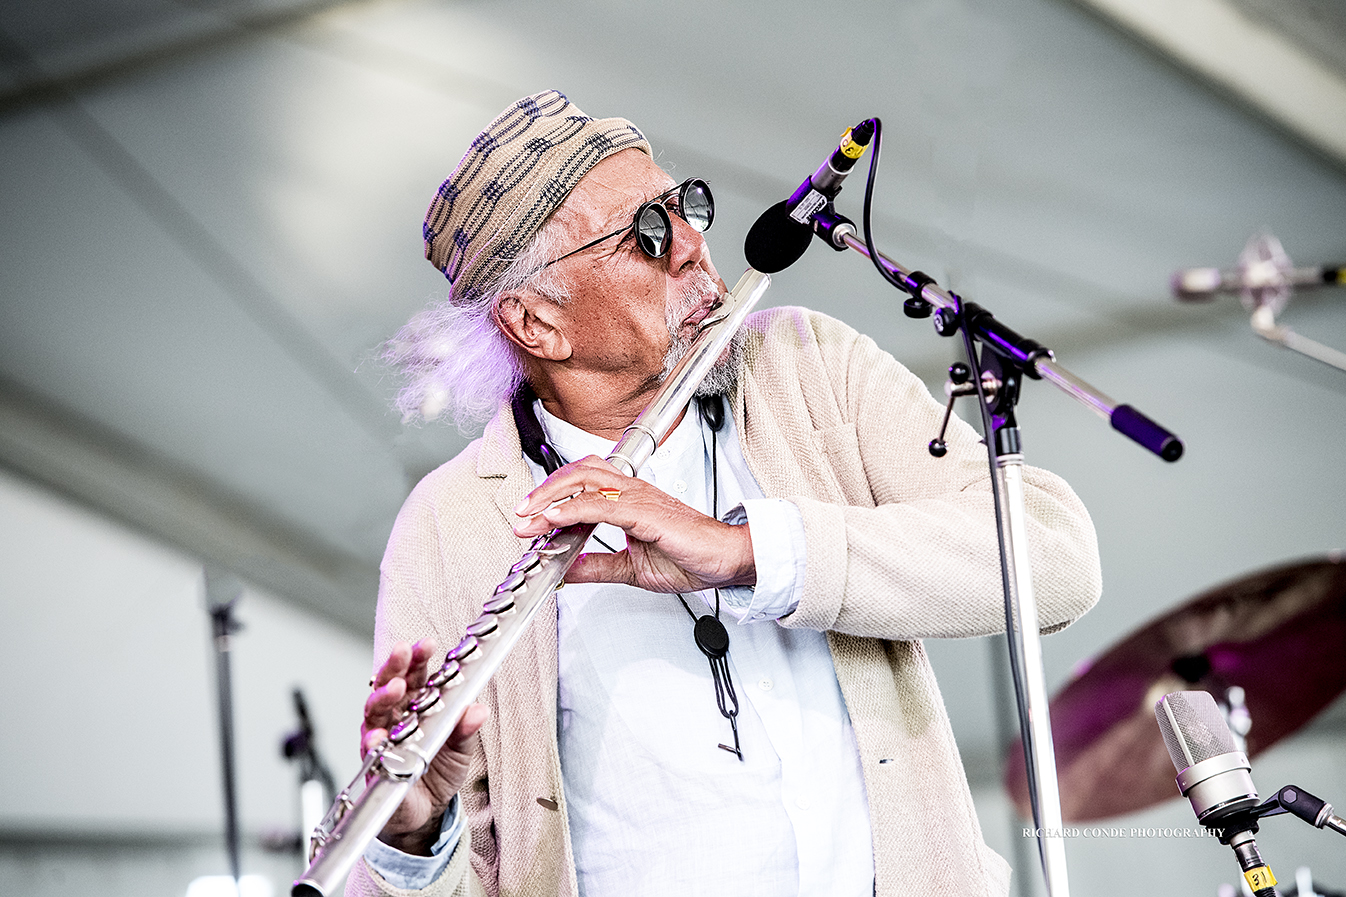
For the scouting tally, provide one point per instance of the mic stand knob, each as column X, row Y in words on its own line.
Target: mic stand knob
column 1310, row 808
column 833, row 227
column 946, row 322
column 917, row 308
column 958, row 385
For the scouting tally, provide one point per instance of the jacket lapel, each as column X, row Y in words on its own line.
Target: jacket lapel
column 527, row 683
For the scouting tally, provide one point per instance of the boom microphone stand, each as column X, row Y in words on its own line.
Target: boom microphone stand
column 222, row 593
column 316, row 785
column 996, row 373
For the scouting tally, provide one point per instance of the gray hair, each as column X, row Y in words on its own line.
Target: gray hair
column 456, row 357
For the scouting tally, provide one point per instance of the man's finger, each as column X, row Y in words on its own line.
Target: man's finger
column 381, row 703
column 395, row 667
column 474, row 717
column 418, row 668
column 370, row 740
column 628, row 512
column 587, row 475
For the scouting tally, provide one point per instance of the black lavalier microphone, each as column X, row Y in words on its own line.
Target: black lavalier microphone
column 781, row 234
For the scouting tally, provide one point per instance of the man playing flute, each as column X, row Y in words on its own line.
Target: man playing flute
column 730, row 695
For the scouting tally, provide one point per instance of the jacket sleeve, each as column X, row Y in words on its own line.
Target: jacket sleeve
column 902, row 545
column 457, row 880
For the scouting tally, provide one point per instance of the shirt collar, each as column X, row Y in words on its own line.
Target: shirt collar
column 572, row 443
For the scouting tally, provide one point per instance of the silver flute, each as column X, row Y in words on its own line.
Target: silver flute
column 392, row 768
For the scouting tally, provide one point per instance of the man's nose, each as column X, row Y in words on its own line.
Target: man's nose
column 688, row 248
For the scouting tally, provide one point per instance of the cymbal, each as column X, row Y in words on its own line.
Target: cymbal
column 1280, row 634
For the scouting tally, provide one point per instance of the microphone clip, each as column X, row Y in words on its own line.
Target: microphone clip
column 1309, row 807
column 1291, row 799
column 832, row 227
column 1242, row 821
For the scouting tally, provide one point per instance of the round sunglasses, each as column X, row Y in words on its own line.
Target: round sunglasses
column 691, row 201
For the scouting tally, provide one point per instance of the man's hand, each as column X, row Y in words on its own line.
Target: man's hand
column 415, row 825
column 671, row 547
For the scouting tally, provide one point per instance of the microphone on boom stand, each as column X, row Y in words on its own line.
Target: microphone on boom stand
column 1199, row 284
column 1264, row 279
column 781, row 234
column 1005, row 361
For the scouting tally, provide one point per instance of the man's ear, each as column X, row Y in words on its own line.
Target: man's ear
column 533, row 324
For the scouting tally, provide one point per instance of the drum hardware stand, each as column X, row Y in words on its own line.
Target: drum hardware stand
column 316, row 785
column 1274, row 277
column 222, row 593
column 1004, row 360
column 1304, row 883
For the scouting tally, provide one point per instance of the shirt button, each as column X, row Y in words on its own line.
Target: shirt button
column 766, row 685
column 802, row 803
column 679, row 486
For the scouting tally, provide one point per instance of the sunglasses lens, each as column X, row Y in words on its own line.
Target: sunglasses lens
column 698, row 209
column 652, row 230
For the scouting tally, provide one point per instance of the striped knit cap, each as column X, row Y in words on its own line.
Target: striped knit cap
column 513, row 176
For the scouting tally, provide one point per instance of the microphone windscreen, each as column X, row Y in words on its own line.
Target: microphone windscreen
column 776, row 241
column 1193, row 727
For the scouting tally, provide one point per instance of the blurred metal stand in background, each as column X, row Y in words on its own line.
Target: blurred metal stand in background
column 222, row 593
column 317, row 788
column 1265, row 278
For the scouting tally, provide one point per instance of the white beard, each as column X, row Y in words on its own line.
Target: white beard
column 724, row 374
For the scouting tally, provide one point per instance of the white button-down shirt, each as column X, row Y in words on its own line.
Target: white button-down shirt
column 656, row 806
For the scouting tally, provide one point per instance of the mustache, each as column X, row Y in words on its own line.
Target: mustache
column 698, row 288
column 696, row 292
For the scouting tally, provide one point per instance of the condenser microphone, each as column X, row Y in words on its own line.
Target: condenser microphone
column 1215, row 777
column 1213, row 774
column 781, row 234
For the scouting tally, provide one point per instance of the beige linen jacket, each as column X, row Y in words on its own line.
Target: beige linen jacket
column 901, row 547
